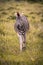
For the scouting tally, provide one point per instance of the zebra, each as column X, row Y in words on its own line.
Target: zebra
column 21, row 26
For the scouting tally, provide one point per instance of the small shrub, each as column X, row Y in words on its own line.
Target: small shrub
column 41, row 20
column 38, row 13
column 33, row 17
column 10, row 8
column 4, row 0
column 1, row 9
column 11, row 17
column 2, row 32
column 40, row 35
column 42, row 15
column 26, row 15
column 31, row 12
column 4, row 13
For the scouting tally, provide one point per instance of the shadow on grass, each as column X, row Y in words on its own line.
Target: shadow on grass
column 15, row 63
column 37, row 62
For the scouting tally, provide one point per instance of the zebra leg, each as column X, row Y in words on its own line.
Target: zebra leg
column 21, row 41
column 24, row 41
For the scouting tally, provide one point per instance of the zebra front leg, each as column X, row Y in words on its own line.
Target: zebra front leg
column 20, row 41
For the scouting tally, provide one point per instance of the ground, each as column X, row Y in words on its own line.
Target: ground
column 9, row 42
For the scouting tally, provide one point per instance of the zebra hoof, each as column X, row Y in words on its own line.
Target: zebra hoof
column 24, row 48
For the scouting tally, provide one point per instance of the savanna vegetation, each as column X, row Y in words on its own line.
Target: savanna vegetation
column 9, row 43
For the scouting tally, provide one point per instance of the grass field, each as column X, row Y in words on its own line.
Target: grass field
column 9, row 43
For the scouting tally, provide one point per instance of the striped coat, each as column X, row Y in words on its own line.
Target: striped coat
column 21, row 25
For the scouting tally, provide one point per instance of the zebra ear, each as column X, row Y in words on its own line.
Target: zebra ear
column 15, row 14
column 22, row 14
column 18, row 14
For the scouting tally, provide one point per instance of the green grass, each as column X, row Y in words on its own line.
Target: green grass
column 9, row 42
